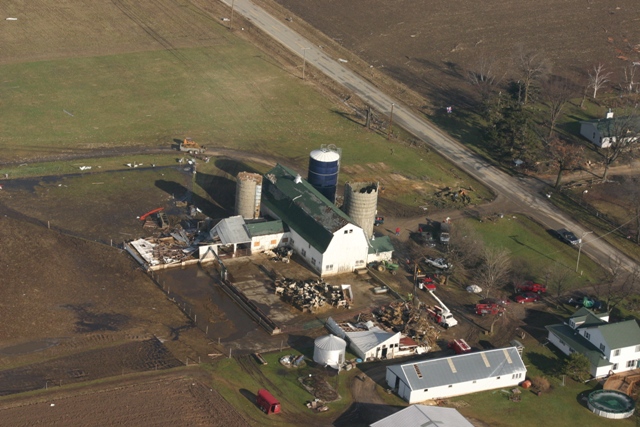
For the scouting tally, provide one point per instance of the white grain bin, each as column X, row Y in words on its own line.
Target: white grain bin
column 329, row 350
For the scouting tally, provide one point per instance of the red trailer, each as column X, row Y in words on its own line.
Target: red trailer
column 267, row 402
column 460, row 346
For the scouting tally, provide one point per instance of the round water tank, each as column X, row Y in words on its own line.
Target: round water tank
column 361, row 204
column 324, row 165
column 248, row 195
column 329, row 350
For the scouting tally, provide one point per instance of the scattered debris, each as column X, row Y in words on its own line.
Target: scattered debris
column 84, row 168
column 292, row 361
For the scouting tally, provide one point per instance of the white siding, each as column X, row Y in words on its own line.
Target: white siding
column 306, row 251
column 596, row 338
column 626, row 355
column 553, row 339
column 347, row 251
column 445, row 391
column 269, row 241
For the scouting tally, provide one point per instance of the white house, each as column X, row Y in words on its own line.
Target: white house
column 610, row 347
column 329, row 241
column 602, row 132
column 457, row 375
column 423, row 415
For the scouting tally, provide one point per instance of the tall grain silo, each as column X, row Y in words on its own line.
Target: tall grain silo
column 248, row 195
column 361, row 203
column 324, row 166
column 329, row 350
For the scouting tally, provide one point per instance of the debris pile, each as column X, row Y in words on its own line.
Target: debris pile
column 317, row 405
column 292, row 361
column 409, row 319
column 312, row 295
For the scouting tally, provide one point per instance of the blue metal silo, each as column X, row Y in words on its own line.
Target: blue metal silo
column 324, row 166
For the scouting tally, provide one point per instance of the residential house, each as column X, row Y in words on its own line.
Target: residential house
column 610, row 347
column 457, row 375
column 602, row 132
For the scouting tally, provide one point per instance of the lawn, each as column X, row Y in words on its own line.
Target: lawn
column 562, row 406
column 534, row 247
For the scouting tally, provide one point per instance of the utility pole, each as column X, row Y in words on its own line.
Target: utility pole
column 304, row 60
column 580, row 248
column 233, row 3
column 390, row 121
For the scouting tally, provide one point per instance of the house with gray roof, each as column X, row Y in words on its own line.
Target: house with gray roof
column 422, row 416
column 457, row 375
column 602, row 132
column 324, row 236
column 610, row 347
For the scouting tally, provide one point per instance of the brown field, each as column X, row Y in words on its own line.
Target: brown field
column 175, row 399
column 430, row 46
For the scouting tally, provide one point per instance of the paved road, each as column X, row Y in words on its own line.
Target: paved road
column 524, row 192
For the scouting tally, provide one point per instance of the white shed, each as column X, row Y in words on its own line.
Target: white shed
column 329, row 350
column 457, row 375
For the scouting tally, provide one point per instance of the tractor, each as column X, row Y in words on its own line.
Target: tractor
column 387, row 265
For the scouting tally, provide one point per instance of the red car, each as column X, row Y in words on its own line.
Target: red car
column 532, row 287
column 527, row 297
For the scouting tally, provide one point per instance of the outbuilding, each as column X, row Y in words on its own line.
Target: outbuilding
column 423, row 415
column 457, row 375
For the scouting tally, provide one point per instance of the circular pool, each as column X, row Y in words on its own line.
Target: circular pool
column 611, row 404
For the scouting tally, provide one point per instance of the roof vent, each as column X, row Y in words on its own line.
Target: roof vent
column 298, row 179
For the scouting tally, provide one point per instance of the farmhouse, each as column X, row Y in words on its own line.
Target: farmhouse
column 423, row 415
column 602, row 132
column 324, row 236
column 457, row 375
column 610, row 347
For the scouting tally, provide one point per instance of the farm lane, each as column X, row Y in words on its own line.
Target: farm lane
column 525, row 192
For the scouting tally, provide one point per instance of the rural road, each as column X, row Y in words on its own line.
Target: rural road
column 524, row 192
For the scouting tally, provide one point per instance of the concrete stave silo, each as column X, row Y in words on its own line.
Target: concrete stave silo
column 248, row 195
column 329, row 350
column 361, row 204
column 324, row 166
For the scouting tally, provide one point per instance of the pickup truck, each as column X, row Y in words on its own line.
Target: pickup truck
column 567, row 236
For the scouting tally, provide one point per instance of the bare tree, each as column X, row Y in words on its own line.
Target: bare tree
column 616, row 284
column 629, row 84
column 465, row 250
column 484, row 77
column 556, row 92
column 598, row 78
column 532, row 66
column 565, row 155
column 559, row 279
column 494, row 270
column 624, row 135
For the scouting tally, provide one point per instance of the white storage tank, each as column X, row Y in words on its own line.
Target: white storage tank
column 329, row 350
column 248, row 195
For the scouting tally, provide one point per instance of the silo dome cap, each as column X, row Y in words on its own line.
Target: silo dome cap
column 330, row 343
column 325, row 155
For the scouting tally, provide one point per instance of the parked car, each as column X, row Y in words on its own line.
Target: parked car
column 440, row 263
column 527, row 297
column 499, row 301
column 530, row 286
column 568, row 237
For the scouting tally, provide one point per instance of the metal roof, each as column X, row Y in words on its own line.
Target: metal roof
column 461, row 368
column 330, row 343
column 265, row 228
column 302, row 207
column 231, row 230
column 423, row 415
column 578, row 343
column 366, row 340
column 380, row 244
column 621, row 334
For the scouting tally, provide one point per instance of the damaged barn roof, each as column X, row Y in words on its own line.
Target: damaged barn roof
column 302, row 207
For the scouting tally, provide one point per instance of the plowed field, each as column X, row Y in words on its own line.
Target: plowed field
column 163, row 400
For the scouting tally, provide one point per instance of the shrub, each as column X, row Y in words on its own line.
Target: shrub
column 541, row 384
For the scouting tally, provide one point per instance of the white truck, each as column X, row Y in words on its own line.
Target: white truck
column 441, row 314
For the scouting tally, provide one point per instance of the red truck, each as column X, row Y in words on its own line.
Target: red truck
column 267, row 402
column 530, row 286
column 492, row 309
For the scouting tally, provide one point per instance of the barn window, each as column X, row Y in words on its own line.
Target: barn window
column 615, row 367
column 637, row 348
column 256, row 244
column 616, row 352
column 474, row 381
column 425, row 390
column 285, row 240
column 329, row 267
column 346, row 231
column 313, row 261
column 602, row 347
column 274, row 241
column 587, row 335
column 498, row 378
column 303, row 252
column 350, row 231
column 450, row 385
column 631, row 363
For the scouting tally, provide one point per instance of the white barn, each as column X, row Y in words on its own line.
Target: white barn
column 610, row 347
column 422, row 416
column 603, row 132
column 324, row 236
column 457, row 375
